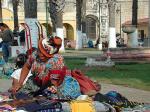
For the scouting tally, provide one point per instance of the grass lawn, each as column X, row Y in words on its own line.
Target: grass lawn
column 130, row 75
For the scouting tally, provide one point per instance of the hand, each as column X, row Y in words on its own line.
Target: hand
column 52, row 89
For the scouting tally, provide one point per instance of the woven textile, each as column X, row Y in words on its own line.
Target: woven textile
column 69, row 89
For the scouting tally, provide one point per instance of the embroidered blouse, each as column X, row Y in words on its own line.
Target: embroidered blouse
column 41, row 68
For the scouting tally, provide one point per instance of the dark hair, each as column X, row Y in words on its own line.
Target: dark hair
column 4, row 25
column 20, row 60
column 1, row 24
column 30, row 51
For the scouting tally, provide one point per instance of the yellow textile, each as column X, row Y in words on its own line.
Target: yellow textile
column 82, row 106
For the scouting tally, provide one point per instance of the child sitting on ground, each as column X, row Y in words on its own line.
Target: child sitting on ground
column 20, row 61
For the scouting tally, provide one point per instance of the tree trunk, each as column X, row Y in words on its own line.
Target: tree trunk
column 78, row 14
column 59, row 20
column 78, row 24
column 1, row 20
column 52, row 11
column 111, row 16
column 133, row 37
column 15, row 12
column 30, row 7
column 59, row 29
column 134, row 12
column 56, row 12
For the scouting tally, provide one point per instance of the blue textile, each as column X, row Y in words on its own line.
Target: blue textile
column 69, row 89
column 42, row 106
column 2, row 62
column 90, row 44
column 21, row 95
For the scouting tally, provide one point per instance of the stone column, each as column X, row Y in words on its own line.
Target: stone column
column 112, row 29
column 104, row 22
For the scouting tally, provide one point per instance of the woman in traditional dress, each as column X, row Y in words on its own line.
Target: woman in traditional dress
column 40, row 62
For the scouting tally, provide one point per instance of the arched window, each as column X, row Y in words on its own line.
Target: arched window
column 91, row 28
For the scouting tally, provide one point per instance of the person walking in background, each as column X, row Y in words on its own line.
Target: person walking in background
column 22, row 37
column 7, row 39
column 16, row 34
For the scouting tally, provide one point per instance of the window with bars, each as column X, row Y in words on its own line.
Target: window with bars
column 91, row 28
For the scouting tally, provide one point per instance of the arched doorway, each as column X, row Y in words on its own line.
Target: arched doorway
column 91, row 27
column 68, row 34
column 68, row 31
column 8, row 18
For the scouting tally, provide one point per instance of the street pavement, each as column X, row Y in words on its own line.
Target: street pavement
column 131, row 93
column 5, row 84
